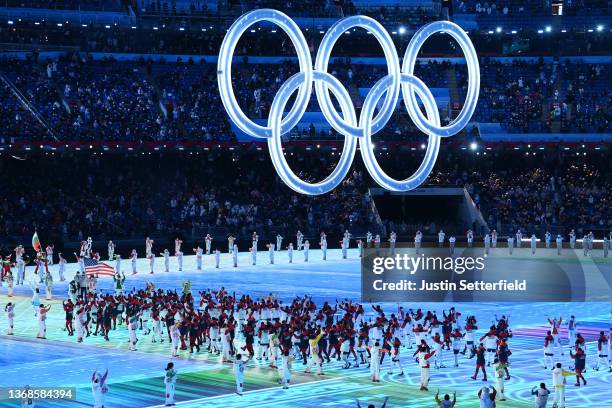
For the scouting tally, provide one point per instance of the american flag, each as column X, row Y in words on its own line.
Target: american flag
column 93, row 267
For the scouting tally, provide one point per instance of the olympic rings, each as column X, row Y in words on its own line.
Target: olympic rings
column 274, row 143
column 367, row 148
column 390, row 85
column 224, row 71
column 323, row 54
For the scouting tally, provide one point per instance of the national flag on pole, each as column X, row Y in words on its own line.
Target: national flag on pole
column 36, row 242
column 93, row 267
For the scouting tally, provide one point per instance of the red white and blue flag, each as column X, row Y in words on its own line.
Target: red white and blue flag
column 93, row 267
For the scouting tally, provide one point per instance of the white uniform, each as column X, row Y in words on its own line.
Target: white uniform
column 151, row 263
column 179, row 258
column 148, row 247
column 395, row 361
column 10, row 316
column 345, row 245
column 81, row 262
column 549, row 353
column 199, row 253
column 271, row 253
column 540, row 397
column 157, row 328
column 48, row 285
column 290, row 252
column 62, row 268
column 534, row 243
column 559, row 244
column 306, row 250
column 208, row 243
column 300, row 239
column 170, row 382
column 132, row 325
column 279, row 242
column 418, row 239
column 559, row 381
column 470, row 238
column 392, row 241
column 499, row 377
column 42, row 323
column 79, row 323
column 323, row 244
column 88, row 247
column 235, row 255
column 253, row 250
column 585, row 245
column 441, row 236
column 99, row 389
column 19, row 251
column 217, row 258
column 424, row 365
column 510, row 245
column 571, row 332
column 490, row 344
column 166, row 255
column 175, row 335
column 375, row 363
column 285, row 370
column 226, row 342
column 239, row 366
column 572, row 237
column 134, row 258
column 111, row 250
column 49, row 251
column 254, row 240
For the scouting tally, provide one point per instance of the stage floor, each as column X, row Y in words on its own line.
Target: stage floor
column 136, row 377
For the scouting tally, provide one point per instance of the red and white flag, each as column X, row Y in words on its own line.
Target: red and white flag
column 36, row 242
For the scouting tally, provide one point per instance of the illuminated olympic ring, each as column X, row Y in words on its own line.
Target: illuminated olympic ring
column 347, row 124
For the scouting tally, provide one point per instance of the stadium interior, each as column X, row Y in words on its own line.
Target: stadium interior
column 112, row 127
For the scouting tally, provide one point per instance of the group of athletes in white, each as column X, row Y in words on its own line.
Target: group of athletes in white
column 302, row 245
column 45, row 258
column 490, row 240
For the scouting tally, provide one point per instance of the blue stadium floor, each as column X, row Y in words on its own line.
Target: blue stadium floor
column 135, row 377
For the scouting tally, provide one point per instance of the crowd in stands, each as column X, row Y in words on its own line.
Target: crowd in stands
column 85, row 99
column 528, row 8
column 537, row 97
column 123, row 197
column 115, row 196
column 302, row 8
column 107, row 100
column 541, row 192
column 102, row 5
